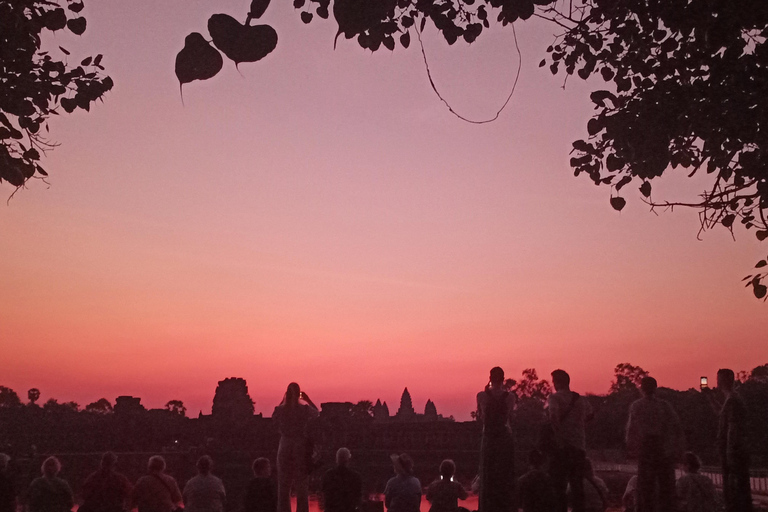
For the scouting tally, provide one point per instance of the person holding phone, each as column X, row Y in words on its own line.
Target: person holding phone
column 292, row 418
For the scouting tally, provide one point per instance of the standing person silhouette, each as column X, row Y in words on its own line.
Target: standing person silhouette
column 495, row 406
column 7, row 489
column 655, row 435
column 292, row 418
column 568, row 414
column 732, row 444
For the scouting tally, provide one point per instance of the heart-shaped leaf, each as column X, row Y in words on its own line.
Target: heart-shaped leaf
column 239, row 42
column 198, row 60
column 55, row 19
column 618, row 203
column 77, row 25
column 258, row 7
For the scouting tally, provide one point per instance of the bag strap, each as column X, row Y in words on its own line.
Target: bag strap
column 165, row 484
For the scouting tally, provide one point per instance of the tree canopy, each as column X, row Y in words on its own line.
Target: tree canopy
column 685, row 84
column 627, row 377
column 35, row 84
column 176, row 407
column 100, row 406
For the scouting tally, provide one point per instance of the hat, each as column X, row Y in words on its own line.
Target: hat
column 403, row 463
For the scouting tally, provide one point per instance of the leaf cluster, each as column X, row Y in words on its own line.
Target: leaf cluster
column 200, row 60
column 37, row 85
column 686, row 88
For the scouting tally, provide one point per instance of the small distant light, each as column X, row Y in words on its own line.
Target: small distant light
column 703, row 383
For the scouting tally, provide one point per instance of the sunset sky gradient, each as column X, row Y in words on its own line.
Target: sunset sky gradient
column 323, row 218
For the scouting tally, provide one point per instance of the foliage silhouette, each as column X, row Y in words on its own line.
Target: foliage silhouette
column 100, row 406
column 33, row 395
column 362, row 410
column 198, row 60
column 686, row 88
column 37, row 85
column 627, row 377
column 176, row 407
column 9, row 398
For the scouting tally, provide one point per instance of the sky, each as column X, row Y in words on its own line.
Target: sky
column 320, row 217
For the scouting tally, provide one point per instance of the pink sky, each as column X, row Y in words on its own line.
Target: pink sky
column 323, row 218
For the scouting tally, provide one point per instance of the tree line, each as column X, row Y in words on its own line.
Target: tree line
column 102, row 425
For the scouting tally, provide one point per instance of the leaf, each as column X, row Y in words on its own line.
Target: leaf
column 258, row 8
column 542, row 63
column 405, row 40
column 55, row 20
column 645, row 188
column 86, row 61
column 76, row 7
column 761, row 235
column 727, row 220
column 198, row 60
column 77, row 26
column 594, row 126
column 97, row 60
column 583, row 146
column 239, row 42
column 68, row 104
column 607, row 73
column 306, row 17
column 64, row 50
column 599, row 97
column 423, row 24
column 613, row 163
column 759, row 290
column 389, row 43
column 623, row 181
column 32, row 154
column 618, row 203
column 761, row 264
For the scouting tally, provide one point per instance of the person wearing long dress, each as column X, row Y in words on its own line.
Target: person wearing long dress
column 495, row 406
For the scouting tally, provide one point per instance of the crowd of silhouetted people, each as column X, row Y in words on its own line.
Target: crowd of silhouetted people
column 560, row 477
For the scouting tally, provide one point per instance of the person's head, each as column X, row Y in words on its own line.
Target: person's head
column 343, row 456
column 447, row 469
column 403, row 464
column 108, row 460
column 51, row 467
column 204, row 465
column 261, row 468
column 497, row 376
column 561, row 380
column 725, row 379
column 156, row 464
column 648, row 386
column 691, row 462
column 536, row 459
column 292, row 394
column 589, row 471
column 4, row 460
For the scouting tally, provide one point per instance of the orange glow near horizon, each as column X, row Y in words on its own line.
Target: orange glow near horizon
column 324, row 219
